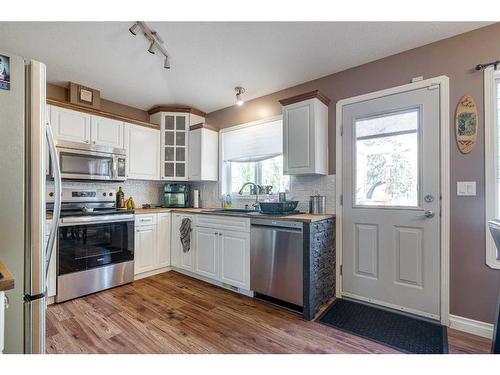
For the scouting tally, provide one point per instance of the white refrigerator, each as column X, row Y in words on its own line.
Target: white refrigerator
column 25, row 140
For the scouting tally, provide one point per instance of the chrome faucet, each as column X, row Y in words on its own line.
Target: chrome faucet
column 257, row 190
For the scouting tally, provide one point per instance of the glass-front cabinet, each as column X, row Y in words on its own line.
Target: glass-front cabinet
column 174, row 146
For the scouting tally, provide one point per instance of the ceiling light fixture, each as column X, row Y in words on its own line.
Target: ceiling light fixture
column 151, row 48
column 154, row 39
column 239, row 90
column 134, row 28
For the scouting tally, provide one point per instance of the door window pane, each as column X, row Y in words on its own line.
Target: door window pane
column 169, row 122
column 180, row 170
column 169, row 138
column 169, row 154
column 387, row 157
column 180, row 139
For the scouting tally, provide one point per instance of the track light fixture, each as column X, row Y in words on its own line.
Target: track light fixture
column 239, row 90
column 154, row 39
column 134, row 28
column 151, row 48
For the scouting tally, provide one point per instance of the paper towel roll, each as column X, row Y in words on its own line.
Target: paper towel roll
column 196, row 198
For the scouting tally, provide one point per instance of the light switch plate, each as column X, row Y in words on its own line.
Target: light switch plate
column 466, row 188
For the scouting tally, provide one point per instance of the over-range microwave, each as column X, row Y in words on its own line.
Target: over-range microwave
column 85, row 162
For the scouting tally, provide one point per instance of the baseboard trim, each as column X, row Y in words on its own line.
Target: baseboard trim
column 152, row 273
column 474, row 327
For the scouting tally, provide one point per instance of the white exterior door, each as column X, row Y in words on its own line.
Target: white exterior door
column 391, row 201
column 207, row 252
column 107, row 132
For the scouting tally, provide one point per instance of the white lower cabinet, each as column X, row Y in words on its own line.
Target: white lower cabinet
column 235, row 259
column 181, row 259
column 152, row 242
column 207, row 252
column 216, row 253
column 145, row 248
column 164, row 222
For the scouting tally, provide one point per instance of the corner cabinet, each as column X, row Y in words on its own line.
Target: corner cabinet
column 305, row 134
column 174, row 146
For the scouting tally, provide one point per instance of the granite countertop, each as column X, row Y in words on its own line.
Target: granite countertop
column 307, row 218
column 7, row 279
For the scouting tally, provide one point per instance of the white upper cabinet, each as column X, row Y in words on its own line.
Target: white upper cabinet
column 203, row 155
column 76, row 126
column 107, row 132
column 305, row 134
column 175, row 140
column 143, row 152
column 68, row 125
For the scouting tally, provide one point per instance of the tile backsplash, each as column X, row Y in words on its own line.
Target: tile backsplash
column 141, row 191
column 301, row 187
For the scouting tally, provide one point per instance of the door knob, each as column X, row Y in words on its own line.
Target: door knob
column 429, row 214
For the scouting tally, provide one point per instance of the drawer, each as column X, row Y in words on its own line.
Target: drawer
column 240, row 224
column 146, row 219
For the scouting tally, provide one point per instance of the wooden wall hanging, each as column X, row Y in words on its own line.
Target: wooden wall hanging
column 466, row 123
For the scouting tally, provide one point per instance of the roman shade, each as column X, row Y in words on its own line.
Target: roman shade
column 253, row 143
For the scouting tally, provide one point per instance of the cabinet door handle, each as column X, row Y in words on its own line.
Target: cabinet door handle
column 6, row 301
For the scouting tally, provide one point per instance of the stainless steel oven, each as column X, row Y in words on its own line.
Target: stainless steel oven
column 95, row 243
column 85, row 162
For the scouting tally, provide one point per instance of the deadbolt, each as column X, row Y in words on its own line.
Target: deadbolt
column 429, row 198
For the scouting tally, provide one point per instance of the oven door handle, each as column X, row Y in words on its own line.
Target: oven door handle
column 87, row 220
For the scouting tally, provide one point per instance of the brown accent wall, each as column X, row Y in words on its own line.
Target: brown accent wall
column 61, row 93
column 474, row 286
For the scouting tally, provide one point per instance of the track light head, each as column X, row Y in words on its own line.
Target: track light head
column 239, row 90
column 151, row 48
column 133, row 29
column 166, row 64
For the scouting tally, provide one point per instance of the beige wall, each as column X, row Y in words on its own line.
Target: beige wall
column 61, row 93
column 474, row 286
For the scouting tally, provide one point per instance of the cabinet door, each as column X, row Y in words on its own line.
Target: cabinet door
column 207, row 252
column 143, row 152
column 195, row 154
column 175, row 128
column 163, row 239
column 181, row 259
column 298, row 138
column 68, row 125
column 145, row 249
column 235, row 259
column 107, row 132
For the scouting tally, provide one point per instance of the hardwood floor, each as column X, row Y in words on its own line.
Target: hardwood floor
column 173, row 313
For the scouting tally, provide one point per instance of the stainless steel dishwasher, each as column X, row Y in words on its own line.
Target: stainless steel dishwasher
column 276, row 268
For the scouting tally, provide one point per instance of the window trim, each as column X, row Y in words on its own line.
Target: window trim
column 491, row 159
column 223, row 185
